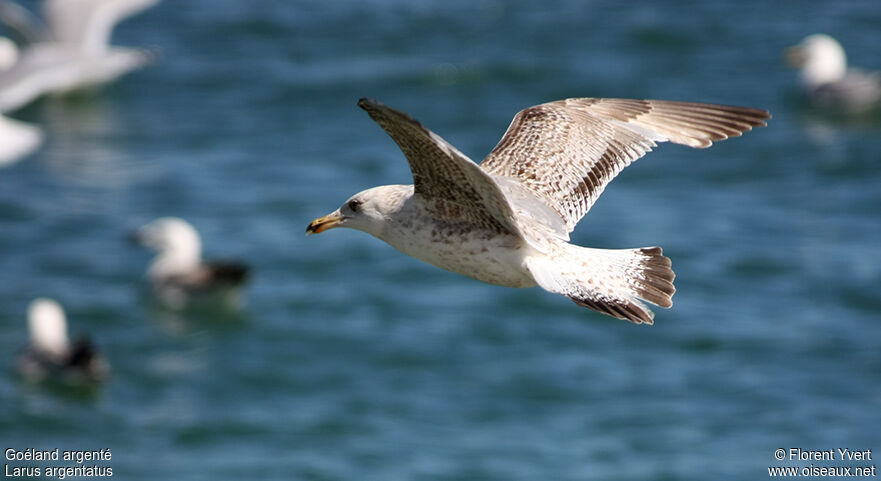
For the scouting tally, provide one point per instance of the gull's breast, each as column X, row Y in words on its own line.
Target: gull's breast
column 494, row 258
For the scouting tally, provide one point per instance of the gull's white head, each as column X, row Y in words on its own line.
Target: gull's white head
column 177, row 243
column 48, row 328
column 367, row 211
column 820, row 58
column 8, row 54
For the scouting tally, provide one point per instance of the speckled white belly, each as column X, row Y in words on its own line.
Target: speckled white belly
column 495, row 259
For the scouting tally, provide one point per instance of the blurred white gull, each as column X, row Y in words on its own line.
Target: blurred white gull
column 828, row 81
column 178, row 274
column 52, row 354
column 72, row 52
column 17, row 139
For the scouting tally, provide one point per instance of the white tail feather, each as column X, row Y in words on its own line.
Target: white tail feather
column 608, row 281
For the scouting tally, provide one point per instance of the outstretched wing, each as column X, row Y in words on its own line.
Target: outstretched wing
column 566, row 152
column 21, row 24
column 89, row 23
column 456, row 189
column 45, row 68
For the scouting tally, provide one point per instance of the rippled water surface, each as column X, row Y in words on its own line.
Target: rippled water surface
column 352, row 361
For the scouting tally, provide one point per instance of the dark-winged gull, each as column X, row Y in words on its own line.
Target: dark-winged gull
column 828, row 81
column 178, row 274
column 507, row 220
column 72, row 51
column 52, row 354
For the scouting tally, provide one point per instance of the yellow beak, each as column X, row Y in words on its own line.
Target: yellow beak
column 321, row 224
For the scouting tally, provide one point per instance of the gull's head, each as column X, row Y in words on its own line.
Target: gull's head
column 177, row 243
column 368, row 211
column 820, row 58
column 8, row 53
column 168, row 234
column 48, row 328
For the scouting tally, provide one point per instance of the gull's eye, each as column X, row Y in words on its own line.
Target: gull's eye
column 354, row 205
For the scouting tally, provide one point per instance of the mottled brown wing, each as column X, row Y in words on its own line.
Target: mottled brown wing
column 566, row 152
column 453, row 186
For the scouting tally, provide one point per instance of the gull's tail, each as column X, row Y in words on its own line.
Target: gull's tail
column 608, row 281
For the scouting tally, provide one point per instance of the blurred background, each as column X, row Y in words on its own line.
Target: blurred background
column 353, row 361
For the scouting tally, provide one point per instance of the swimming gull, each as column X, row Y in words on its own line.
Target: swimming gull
column 17, row 139
column 52, row 354
column 507, row 221
column 828, row 81
column 178, row 274
column 72, row 52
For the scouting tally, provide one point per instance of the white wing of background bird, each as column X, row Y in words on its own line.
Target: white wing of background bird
column 88, row 24
column 21, row 24
column 17, row 139
column 74, row 54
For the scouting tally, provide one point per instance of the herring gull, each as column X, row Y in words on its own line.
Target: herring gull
column 178, row 274
column 72, row 51
column 51, row 353
column 507, row 220
column 828, row 81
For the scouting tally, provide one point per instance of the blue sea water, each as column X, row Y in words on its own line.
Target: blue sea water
column 352, row 361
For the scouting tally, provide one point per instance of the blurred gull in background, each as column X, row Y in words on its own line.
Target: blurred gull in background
column 17, row 139
column 71, row 52
column 178, row 273
column 828, row 81
column 52, row 354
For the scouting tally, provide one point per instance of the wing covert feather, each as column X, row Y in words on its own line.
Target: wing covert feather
column 455, row 188
column 566, row 152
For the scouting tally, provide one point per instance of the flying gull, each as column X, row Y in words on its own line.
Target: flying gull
column 827, row 80
column 17, row 139
column 52, row 354
column 507, row 221
column 71, row 52
column 178, row 274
